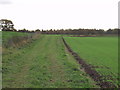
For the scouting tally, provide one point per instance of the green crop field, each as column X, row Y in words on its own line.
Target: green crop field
column 100, row 52
column 43, row 63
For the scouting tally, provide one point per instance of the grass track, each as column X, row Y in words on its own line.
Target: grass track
column 45, row 63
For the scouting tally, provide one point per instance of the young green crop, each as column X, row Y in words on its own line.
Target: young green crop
column 100, row 52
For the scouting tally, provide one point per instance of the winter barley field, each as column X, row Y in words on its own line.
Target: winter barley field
column 45, row 62
column 100, row 52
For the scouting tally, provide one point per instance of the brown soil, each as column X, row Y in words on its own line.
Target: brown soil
column 89, row 70
column 83, row 36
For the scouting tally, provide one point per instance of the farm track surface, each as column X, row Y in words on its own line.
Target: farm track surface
column 44, row 64
column 91, row 72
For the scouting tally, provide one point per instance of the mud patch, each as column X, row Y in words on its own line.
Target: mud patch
column 90, row 70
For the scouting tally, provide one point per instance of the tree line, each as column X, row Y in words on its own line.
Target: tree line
column 7, row 25
column 82, row 31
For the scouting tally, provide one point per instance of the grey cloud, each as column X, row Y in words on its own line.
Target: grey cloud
column 5, row 2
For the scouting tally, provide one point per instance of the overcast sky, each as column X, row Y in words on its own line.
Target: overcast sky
column 58, row 14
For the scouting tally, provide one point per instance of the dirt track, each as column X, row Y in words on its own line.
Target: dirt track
column 90, row 71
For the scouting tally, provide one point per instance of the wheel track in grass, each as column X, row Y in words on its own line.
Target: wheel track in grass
column 87, row 68
column 20, row 77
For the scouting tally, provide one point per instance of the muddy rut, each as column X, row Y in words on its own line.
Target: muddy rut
column 90, row 71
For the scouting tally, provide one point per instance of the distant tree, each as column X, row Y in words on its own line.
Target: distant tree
column 6, row 25
column 23, row 30
column 37, row 30
column 115, row 31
